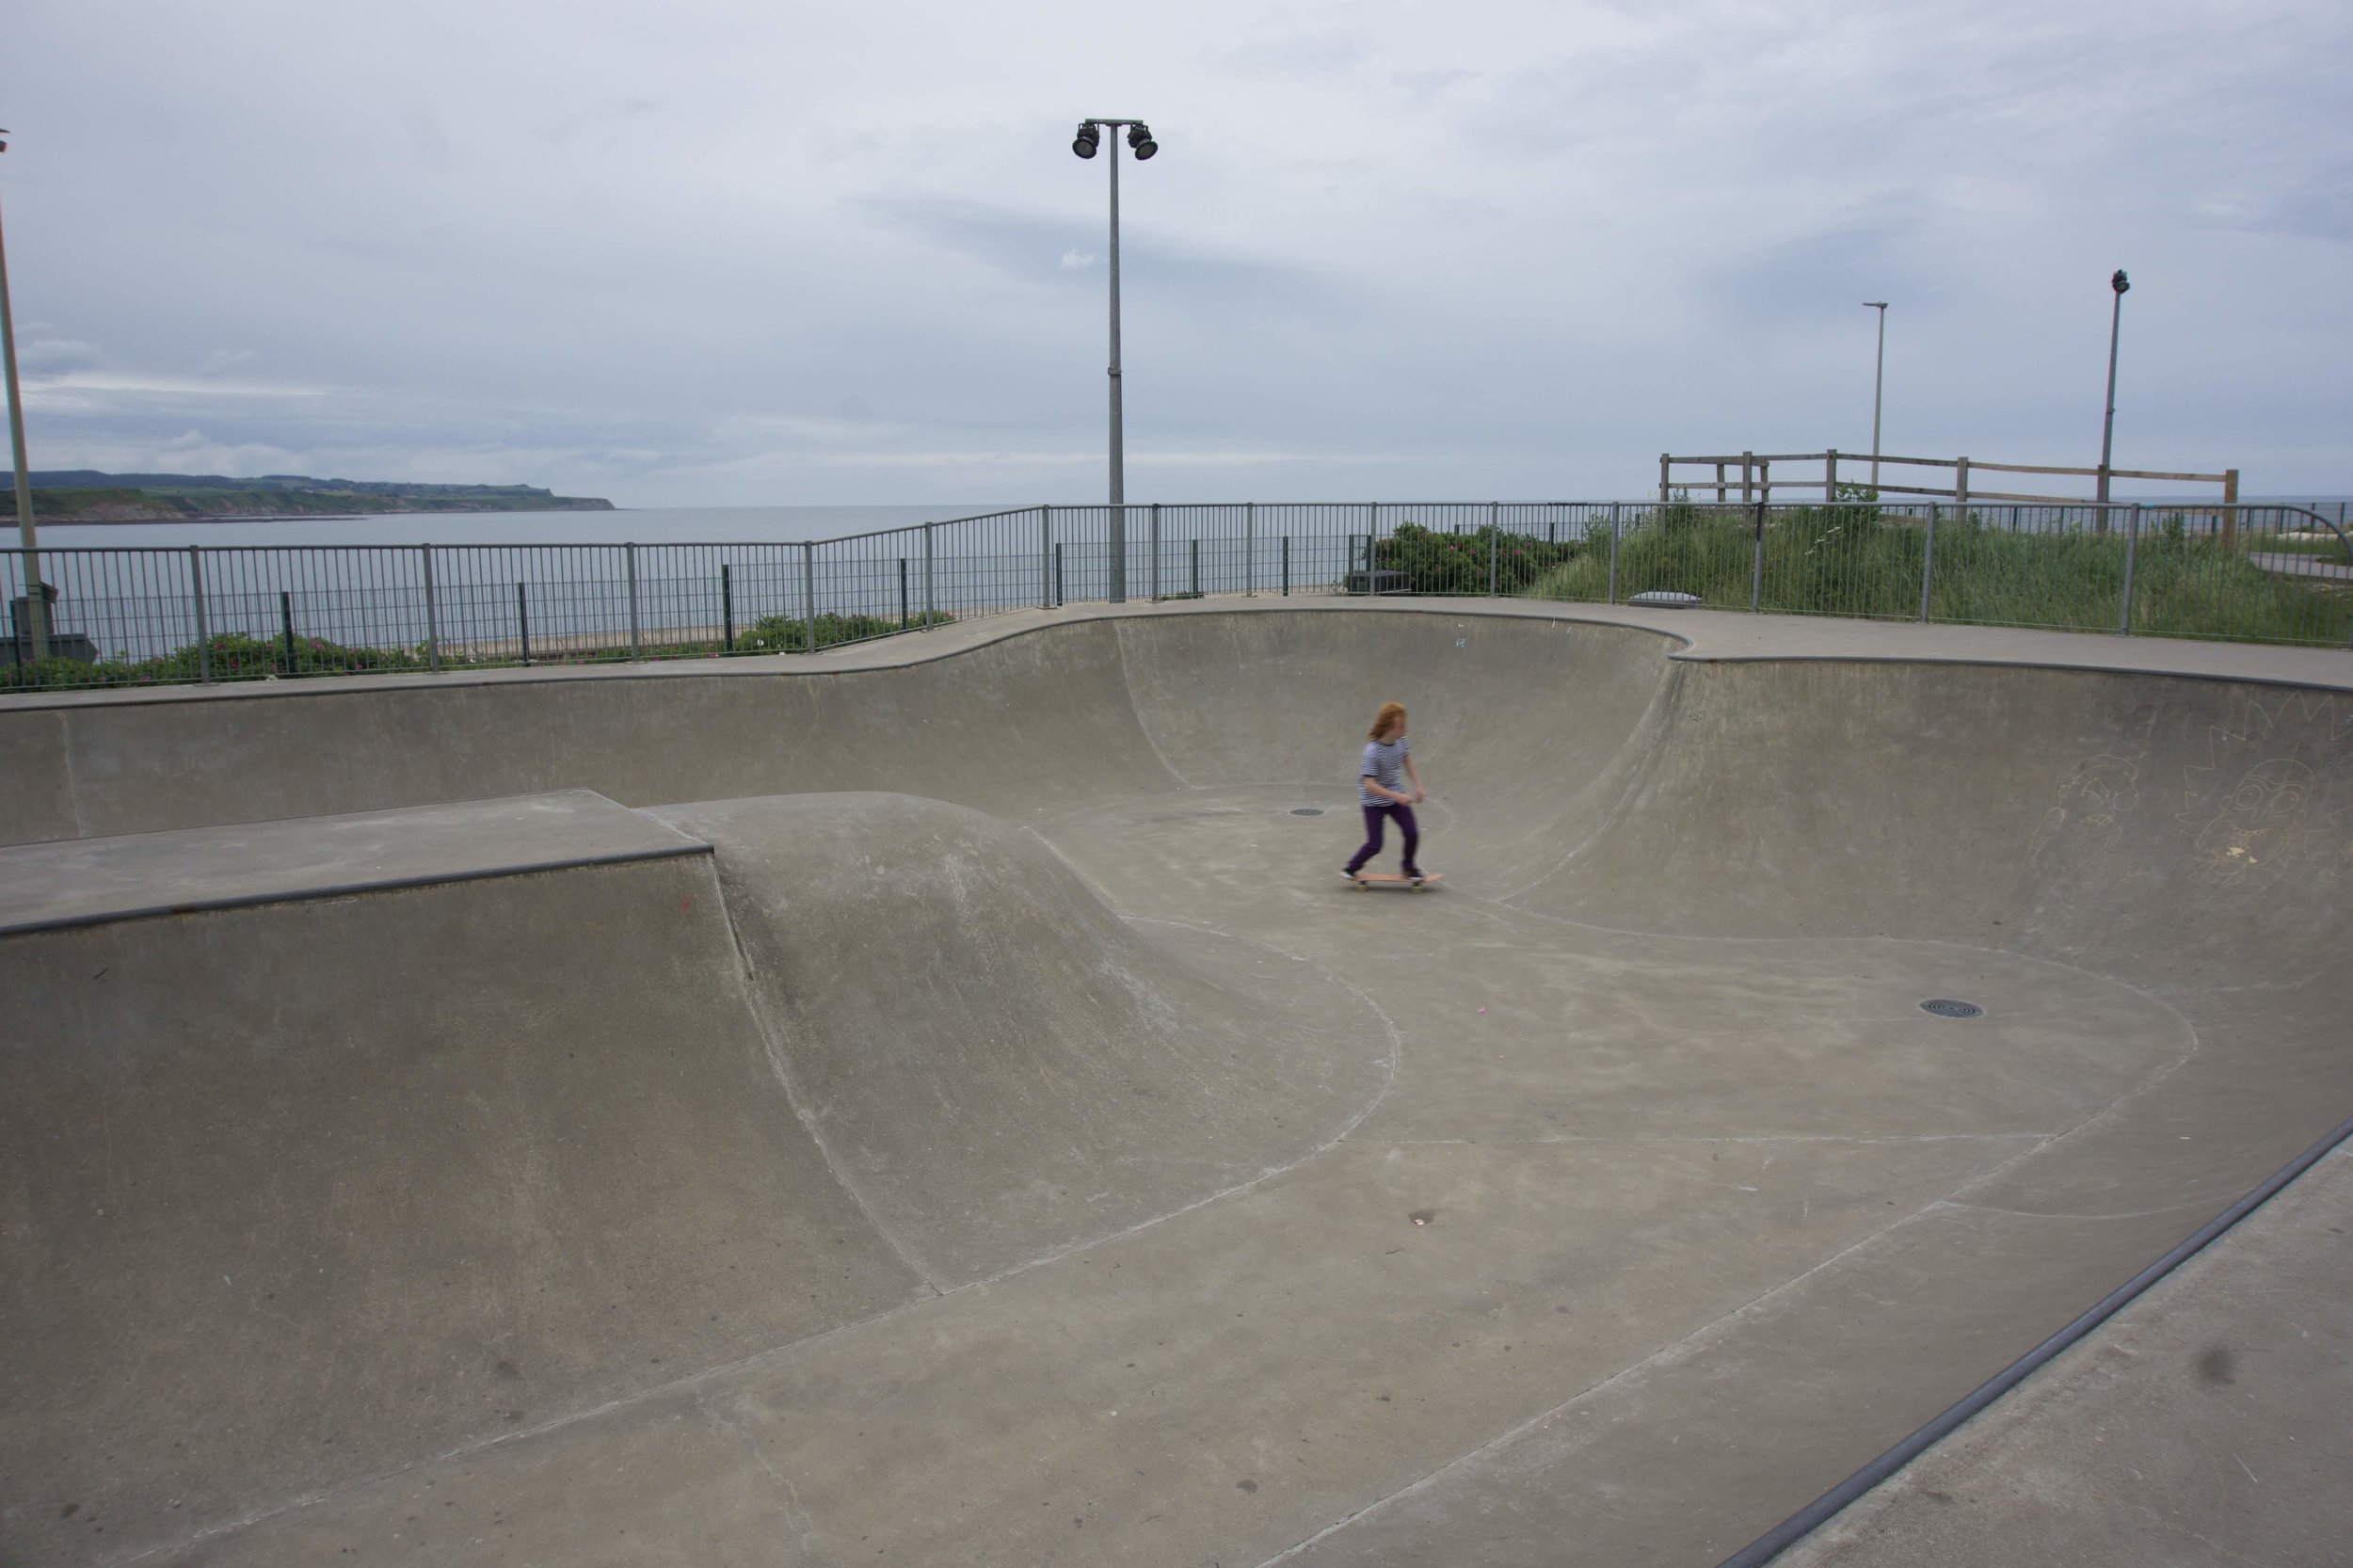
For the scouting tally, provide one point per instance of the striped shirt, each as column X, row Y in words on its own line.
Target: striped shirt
column 1385, row 763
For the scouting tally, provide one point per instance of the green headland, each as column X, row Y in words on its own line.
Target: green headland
column 85, row 495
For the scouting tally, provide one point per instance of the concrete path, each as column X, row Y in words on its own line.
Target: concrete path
column 2207, row 1425
column 2290, row 563
column 92, row 881
column 981, row 1126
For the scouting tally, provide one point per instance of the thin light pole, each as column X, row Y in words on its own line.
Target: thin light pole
column 2107, row 428
column 1878, row 385
column 1139, row 139
column 36, row 606
column 1119, row 440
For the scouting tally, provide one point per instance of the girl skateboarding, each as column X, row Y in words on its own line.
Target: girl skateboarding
column 1389, row 767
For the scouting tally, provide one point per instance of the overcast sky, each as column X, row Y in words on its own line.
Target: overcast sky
column 732, row 252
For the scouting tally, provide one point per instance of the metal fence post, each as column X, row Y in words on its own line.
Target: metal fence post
column 906, row 619
column 432, row 614
column 1614, row 550
column 636, row 642
column 2132, row 548
column 1249, row 550
column 1058, row 590
column 1115, row 541
column 1044, row 558
column 1155, row 578
column 928, row 589
column 285, row 621
column 727, row 607
column 1663, row 460
column 522, row 620
column 809, row 591
column 1495, row 542
column 1287, row 565
column 1928, row 566
column 203, row 631
column 1756, row 566
column 1194, row 551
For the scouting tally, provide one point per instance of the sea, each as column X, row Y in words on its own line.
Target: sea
column 630, row 524
column 625, row 526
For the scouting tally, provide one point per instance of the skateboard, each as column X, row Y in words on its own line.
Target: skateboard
column 1366, row 879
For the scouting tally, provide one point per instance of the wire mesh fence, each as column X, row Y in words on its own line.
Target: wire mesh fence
column 201, row 614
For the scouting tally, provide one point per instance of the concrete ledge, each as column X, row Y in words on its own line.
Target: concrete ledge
column 93, row 880
column 1707, row 635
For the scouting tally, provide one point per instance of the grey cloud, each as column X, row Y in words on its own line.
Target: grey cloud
column 1826, row 273
column 2318, row 207
column 1063, row 251
column 41, row 355
column 1320, row 51
column 1423, row 86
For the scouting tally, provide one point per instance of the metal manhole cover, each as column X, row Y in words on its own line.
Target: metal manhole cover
column 1307, row 811
column 1944, row 1007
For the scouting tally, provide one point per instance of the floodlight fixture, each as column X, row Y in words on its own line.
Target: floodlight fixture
column 34, row 629
column 1878, row 385
column 1087, row 142
column 2107, row 426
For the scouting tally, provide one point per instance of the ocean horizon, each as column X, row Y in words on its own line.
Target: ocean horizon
column 663, row 525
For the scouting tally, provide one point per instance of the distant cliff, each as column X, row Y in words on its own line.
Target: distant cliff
column 85, row 495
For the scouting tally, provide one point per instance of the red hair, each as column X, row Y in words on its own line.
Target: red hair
column 1390, row 720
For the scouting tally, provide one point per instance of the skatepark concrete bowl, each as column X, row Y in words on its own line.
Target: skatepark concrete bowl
column 936, row 1102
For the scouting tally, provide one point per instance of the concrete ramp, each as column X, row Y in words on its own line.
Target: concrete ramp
column 1000, row 1066
column 465, row 1128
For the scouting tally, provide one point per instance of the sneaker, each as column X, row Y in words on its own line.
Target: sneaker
column 1347, row 875
column 1412, row 875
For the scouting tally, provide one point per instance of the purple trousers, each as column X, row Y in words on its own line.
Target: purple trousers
column 1375, row 821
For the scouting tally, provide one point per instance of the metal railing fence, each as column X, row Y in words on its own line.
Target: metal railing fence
column 201, row 614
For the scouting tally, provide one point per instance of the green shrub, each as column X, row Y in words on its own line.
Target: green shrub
column 233, row 656
column 1436, row 563
column 784, row 634
column 1853, row 560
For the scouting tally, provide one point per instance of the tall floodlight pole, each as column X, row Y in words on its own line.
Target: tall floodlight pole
column 36, row 628
column 1139, row 141
column 2107, row 429
column 1878, row 384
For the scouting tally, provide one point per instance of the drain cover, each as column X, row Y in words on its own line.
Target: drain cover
column 1944, row 1007
column 1307, row 811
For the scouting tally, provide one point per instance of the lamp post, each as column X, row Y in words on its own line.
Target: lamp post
column 1878, row 384
column 2107, row 429
column 36, row 628
column 1140, row 141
